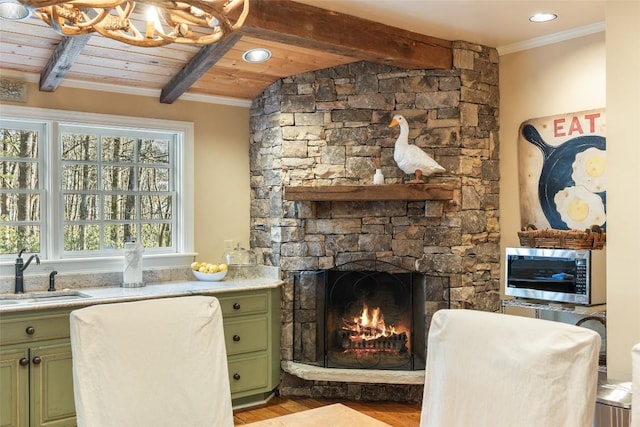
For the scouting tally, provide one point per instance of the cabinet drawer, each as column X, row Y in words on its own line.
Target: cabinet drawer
column 246, row 335
column 243, row 304
column 35, row 327
column 248, row 373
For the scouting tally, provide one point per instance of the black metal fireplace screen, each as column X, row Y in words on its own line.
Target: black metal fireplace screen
column 363, row 314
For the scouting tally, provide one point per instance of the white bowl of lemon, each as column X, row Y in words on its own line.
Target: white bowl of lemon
column 208, row 272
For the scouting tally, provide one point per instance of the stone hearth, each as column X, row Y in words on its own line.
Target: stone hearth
column 322, row 128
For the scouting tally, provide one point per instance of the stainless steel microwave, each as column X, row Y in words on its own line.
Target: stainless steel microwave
column 561, row 275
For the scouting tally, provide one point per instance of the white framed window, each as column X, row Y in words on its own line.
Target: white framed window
column 74, row 187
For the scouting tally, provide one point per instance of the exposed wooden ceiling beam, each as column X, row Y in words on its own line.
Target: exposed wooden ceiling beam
column 196, row 67
column 61, row 61
column 291, row 23
column 312, row 27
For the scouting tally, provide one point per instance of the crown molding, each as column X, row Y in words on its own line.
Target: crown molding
column 128, row 90
column 586, row 30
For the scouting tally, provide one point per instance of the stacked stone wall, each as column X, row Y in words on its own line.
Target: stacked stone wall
column 325, row 127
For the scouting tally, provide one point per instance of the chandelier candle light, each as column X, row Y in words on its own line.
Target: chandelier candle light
column 199, row 22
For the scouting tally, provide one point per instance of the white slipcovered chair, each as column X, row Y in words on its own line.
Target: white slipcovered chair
column 492, row 370
column 152, row 363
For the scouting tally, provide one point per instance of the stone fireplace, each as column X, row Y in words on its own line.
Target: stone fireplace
column 360, row 315
column 323, row 128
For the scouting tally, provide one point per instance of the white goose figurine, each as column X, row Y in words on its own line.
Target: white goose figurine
column 410, row 158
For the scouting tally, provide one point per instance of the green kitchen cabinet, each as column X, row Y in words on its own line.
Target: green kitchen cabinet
column 36, row 382
column 252, row 340
column 36, row 378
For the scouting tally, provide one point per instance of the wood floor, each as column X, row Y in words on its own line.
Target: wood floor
column 392, row 413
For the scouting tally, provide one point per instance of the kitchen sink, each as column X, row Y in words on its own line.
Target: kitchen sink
column 40, row 297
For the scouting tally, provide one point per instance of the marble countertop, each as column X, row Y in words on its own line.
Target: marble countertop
column 11, row 303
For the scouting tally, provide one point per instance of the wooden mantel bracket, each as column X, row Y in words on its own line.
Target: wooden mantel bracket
column 407, row 192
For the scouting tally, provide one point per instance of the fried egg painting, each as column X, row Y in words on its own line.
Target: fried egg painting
column 562, row 168
column 579, row 208
column 589, row 169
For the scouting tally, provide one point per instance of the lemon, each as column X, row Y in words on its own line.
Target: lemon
column 207, row 267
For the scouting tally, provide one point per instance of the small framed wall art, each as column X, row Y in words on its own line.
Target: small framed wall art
column 13, row 90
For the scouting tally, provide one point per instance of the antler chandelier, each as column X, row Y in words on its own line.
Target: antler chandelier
column 159, row 23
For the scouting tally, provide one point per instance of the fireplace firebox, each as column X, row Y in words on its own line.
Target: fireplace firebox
column 361, row 315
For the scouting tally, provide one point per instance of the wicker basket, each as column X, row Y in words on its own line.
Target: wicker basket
column 594, row 238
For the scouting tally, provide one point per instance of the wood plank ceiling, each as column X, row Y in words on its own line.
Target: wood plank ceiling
column 301, row 38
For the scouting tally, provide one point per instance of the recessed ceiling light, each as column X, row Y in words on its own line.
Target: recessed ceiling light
column 12, row 10
column 256, row 55
column 543, row 17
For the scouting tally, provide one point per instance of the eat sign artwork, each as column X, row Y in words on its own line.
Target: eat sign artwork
column 562, row 171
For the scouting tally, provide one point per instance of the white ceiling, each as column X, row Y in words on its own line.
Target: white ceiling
column 497, row 24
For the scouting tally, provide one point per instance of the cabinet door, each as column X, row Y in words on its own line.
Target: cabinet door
column 14, row 387
column 52, row 402
column 248, row 375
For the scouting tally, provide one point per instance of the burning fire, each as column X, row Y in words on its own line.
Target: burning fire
column 369, row 325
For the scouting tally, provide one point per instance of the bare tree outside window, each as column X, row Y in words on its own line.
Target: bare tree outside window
column 115, row 185
column 19, row 191
column 124, row 176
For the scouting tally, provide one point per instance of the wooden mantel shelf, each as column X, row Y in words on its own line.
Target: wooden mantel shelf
column 405, row 192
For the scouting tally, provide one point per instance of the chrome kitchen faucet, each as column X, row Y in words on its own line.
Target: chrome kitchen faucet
column 20, row 268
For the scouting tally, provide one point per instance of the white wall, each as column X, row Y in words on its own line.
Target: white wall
column 623, row 184
column 555, row 79
column 582, row 74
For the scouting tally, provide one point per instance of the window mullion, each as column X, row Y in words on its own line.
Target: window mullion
column 53, row 222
